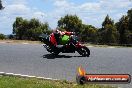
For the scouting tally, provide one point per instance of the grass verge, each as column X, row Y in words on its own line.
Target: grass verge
column 116, row 46
column 20, row 41
column 20, row 82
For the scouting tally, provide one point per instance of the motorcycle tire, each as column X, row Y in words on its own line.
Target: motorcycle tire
column 84, row 51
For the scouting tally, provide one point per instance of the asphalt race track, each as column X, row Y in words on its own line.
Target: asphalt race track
column 33, row 59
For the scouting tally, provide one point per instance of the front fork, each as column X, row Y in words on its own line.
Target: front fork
column 47, row 47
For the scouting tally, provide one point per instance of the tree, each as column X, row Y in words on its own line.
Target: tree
column 70, row 23
column 89, row 34
column 45, row 28
column 2, row 36
column 1, row 6
column 122, row 27
column 30, row 30
column 18, row 27
column 129, row 13
column 107, row 21
column 108, row 33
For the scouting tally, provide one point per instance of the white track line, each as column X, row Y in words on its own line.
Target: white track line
column 27, row 76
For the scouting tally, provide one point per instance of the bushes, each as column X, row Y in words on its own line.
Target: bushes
column 24, row 29
column 2, row 36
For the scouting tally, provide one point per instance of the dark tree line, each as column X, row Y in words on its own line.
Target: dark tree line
column 1, row 6
column 29, row 29
column 72, row 23
column 88, row 33
column 110, row 32
column 2, row 36
column 124, row 27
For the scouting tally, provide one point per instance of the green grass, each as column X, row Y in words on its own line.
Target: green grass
column 19, row 82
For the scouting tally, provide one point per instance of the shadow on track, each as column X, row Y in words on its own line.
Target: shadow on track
column 51, row 56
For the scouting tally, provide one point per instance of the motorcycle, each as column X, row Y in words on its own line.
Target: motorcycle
column 72, row 46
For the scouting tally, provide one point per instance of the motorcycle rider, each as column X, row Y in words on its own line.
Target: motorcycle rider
column 62, row 37
column 54, row 46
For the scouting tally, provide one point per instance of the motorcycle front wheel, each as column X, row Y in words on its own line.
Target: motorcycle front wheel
column 84, row 51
